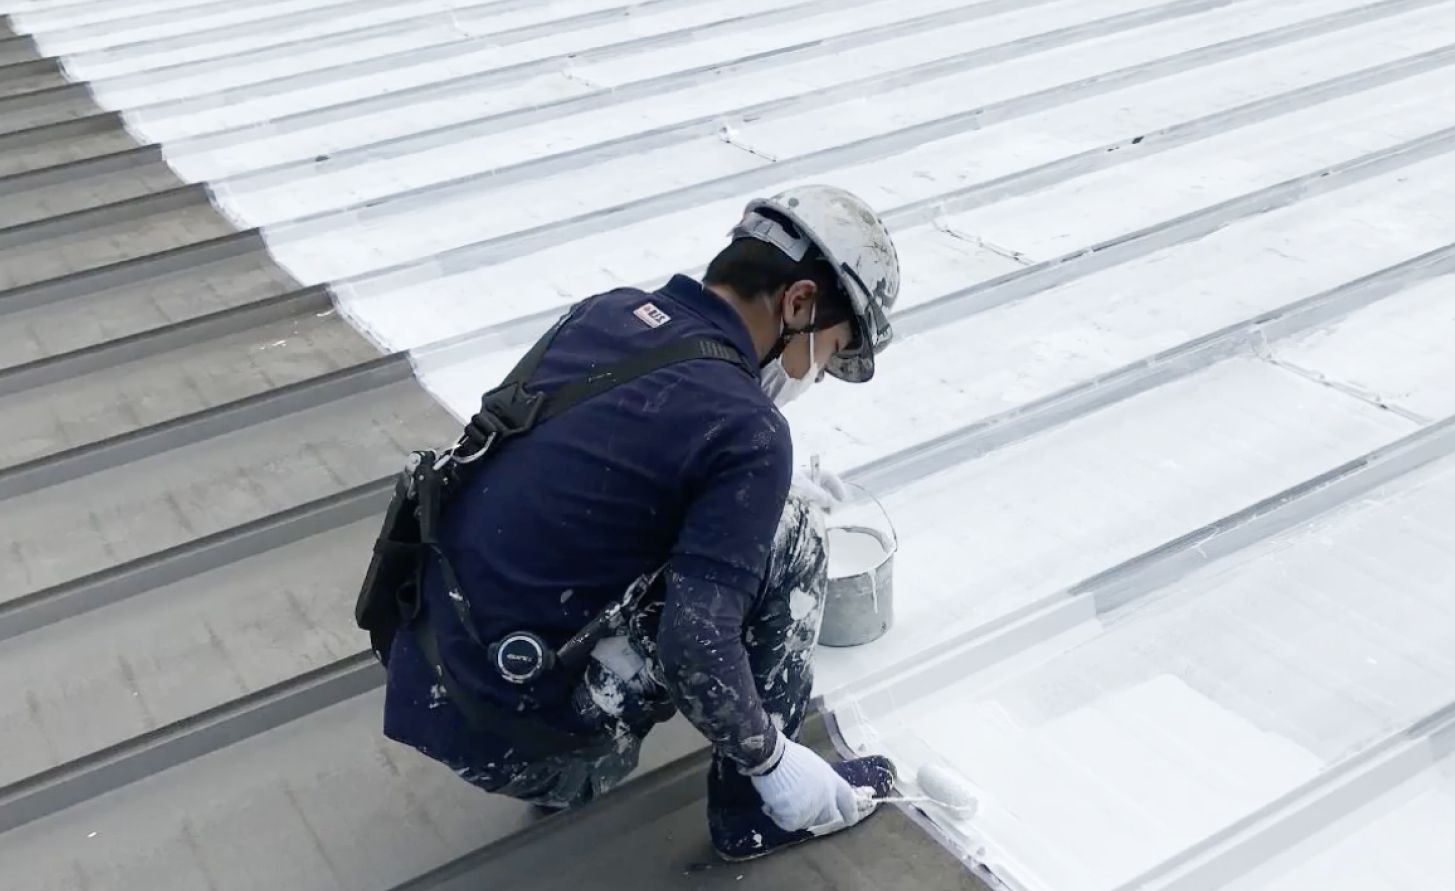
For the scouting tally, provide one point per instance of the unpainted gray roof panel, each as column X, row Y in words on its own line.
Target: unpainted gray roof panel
column 168, row 384
column 44, row 195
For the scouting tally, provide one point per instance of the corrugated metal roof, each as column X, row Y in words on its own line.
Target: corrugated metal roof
column 1165, row 437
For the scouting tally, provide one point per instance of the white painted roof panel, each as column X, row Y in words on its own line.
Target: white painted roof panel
column 1398, row 841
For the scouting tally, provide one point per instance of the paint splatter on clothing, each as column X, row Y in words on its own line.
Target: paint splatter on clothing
column 741, row 670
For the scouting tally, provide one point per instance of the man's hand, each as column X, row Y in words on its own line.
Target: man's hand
column 801, row 791
column 820, row 486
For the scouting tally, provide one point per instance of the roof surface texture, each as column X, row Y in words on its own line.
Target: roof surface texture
column 1167, row 433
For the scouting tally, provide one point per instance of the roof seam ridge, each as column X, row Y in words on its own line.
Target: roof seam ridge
column 765, row 60
column 972, row 119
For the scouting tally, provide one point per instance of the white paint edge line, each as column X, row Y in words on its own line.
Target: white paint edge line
column 1357, row 780
column 1141, row 577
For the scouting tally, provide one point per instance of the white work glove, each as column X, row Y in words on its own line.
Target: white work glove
column 803, row 792
column 820, row 486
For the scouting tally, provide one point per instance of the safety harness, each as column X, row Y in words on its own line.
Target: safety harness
column 409, row 540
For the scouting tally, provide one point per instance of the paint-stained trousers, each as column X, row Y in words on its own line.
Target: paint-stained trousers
column 780, row 650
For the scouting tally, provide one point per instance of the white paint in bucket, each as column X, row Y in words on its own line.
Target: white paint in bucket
column 854, row 552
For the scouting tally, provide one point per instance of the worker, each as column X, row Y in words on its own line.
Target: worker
column 680, row 480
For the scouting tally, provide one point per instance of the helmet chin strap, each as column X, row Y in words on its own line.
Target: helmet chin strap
column 777, row 350
column 786, row 337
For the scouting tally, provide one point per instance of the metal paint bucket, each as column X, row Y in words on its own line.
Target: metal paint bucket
column 859, row 606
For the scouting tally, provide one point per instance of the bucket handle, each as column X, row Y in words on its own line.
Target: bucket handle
column 888, row 523
column 865, row 493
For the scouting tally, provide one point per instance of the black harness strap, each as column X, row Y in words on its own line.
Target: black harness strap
column 509, row 409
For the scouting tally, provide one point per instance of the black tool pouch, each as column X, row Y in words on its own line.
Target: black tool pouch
column 389, row 597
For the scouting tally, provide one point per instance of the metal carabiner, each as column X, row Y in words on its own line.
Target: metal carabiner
column 452, row 454
column 479, row 453
column 445, row 458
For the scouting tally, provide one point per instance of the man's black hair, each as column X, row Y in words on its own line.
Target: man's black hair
column 755, row 270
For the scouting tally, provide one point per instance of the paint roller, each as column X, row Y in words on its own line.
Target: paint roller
column 941, row 786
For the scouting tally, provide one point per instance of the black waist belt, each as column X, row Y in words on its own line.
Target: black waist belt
column 525, row 733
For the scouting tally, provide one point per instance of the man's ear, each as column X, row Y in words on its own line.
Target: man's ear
column 798, row 303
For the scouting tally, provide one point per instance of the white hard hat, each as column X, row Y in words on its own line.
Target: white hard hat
column 854, row 241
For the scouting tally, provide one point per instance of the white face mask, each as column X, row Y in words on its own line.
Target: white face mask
column 783, row 387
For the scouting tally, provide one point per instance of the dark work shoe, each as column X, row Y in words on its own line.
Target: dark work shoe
column 745, row 832
column 872, row 771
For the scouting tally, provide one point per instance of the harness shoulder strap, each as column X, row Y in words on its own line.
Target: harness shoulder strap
column 633, row 367
column 510, row 409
